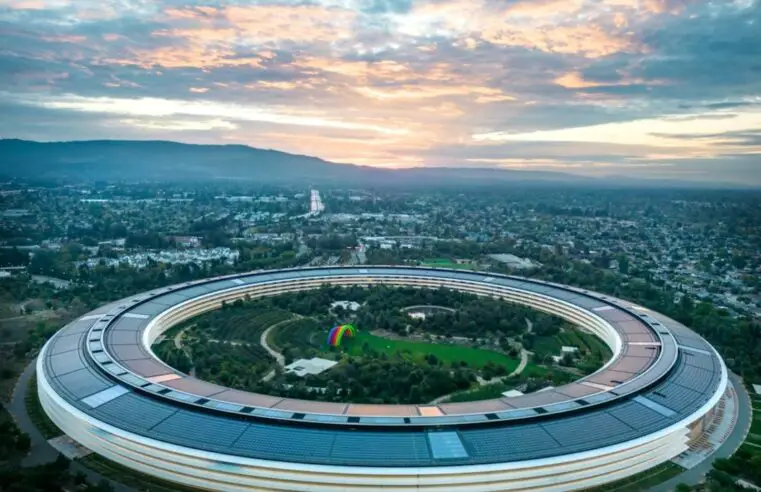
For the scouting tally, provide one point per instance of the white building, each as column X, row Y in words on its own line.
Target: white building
column 313, row 366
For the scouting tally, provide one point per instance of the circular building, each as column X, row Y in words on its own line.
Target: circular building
column 99, row 381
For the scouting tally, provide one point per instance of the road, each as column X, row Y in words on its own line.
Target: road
column 41, row 451
column 315, row 205
column 695, row 475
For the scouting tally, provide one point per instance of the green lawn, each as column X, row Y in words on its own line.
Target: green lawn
column 571, row 338
column 642, row 481
column 299, row 333
column 754, row 438
column 446, row 263
column 755, row 426
column 754, row 450
column 419, row 350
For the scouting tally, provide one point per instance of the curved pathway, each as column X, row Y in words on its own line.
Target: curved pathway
column 274, row 353
column 179, row 345
column 521, row 366
column 41, row 451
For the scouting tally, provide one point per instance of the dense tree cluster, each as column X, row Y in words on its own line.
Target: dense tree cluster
column 53, row 477
column 13, row 442
column 742, row 464
column 375, row 378
column 738, row 338
column 230, row 364
column 473, row 316
column 222, row 346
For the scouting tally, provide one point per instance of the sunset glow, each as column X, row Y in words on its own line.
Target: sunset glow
column 593, row 87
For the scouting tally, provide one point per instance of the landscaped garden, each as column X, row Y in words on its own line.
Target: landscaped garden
column 463, row 350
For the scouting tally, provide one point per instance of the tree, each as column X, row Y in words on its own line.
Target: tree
column 23, row 443
column 567, row 359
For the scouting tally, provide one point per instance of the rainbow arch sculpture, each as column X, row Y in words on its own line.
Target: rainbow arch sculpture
column 337, row 334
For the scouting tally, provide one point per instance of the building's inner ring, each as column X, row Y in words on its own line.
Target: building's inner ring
column 579, row 318
column 640, row 356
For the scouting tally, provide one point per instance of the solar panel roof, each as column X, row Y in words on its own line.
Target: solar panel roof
column 480, row 432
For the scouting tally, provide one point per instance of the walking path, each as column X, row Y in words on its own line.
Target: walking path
column 41, row 451
column 274, row 353
column 178, row 345
column 521, row 365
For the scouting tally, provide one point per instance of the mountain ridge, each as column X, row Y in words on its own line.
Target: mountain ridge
column 162, row 160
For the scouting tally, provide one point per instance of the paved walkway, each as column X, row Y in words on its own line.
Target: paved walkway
column 274, row 353
column 521, row 365
column 41, row 451
column 178, row 345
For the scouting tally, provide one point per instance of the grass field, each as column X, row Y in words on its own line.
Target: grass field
column 754, row 439
column 419, row 350
column 572, row 338
column 299, row 333
column 642, row 481
column 37, row 415
column 751, row 449
column 447, row 263
column 755, row 426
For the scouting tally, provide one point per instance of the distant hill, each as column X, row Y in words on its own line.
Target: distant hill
column 127, row 160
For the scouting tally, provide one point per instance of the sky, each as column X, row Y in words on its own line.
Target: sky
column 646, row 88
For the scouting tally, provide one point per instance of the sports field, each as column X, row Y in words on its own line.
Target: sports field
column 420, row 350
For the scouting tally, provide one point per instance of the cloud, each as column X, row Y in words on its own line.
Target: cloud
column 657, row 132
column 585, row 86
column 157, row 108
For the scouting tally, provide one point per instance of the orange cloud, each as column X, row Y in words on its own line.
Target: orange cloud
column 554, row 26
column 34, row 4
column 306, row 23
column 574, row 80
column 588, row 40
column 263, row 23
column 545, row 7
column 424, row 91
column 209, row 37
column 650, row 6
